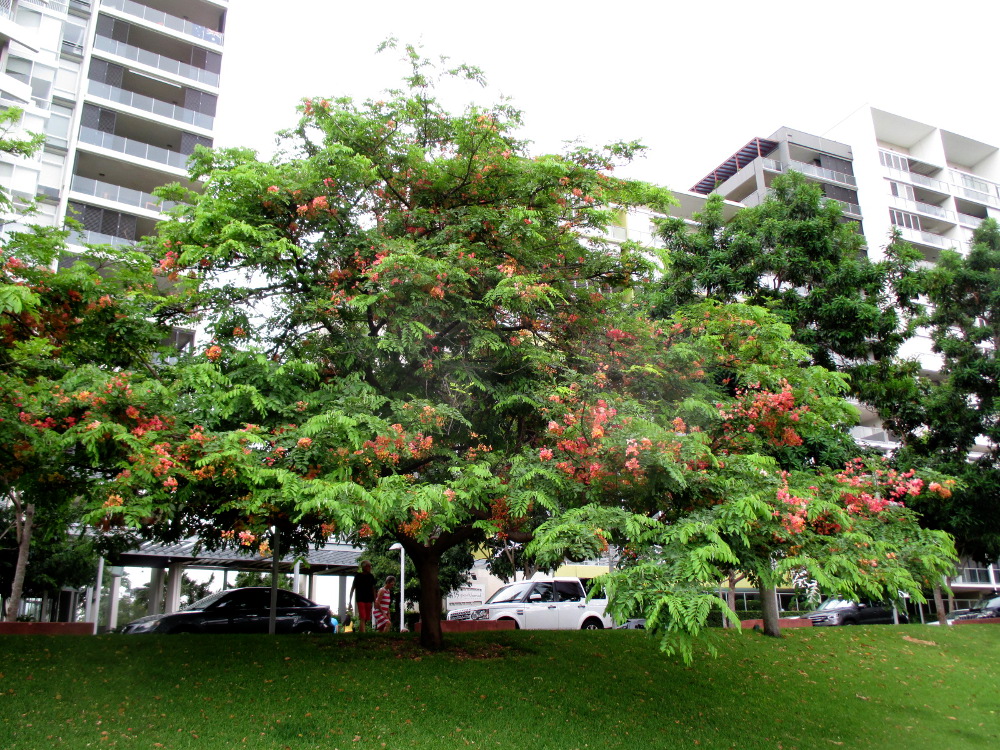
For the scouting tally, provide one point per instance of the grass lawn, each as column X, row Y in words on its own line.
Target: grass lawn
column 875, row 687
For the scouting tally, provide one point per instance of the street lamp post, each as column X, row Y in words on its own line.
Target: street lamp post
column 402, row 586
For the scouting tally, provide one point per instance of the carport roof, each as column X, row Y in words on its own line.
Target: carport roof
column 331, row 559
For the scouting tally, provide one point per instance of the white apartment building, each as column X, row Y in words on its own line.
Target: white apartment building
column 889, row 173
column 123, row 92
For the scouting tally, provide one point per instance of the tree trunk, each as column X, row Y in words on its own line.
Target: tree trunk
column 731, row 599
column 428, row 567
column 769, row 605
column 23, row 526
column 942, row 616
column 272, row 616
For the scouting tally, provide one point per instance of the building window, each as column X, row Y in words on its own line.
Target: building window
column 74, row 33
column 894, row 161
column 903, row 219
column 36, row 75
column 57, row 128
column 19, row 68
column 974, row 183
column 900, row 190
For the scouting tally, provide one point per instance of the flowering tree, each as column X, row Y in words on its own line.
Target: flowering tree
column 392, row 300
column 71, row 344
column 753, row 489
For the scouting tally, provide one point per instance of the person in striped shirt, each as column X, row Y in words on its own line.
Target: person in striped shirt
column 382, row 601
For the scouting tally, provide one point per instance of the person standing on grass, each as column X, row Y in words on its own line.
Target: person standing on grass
column 363, row 592
column 382, row 602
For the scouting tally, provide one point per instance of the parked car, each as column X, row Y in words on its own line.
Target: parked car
column 843, row 612
column 949, row 618
column 988, row 606
column 541, row 604
column 243, row 610
column 634, row 623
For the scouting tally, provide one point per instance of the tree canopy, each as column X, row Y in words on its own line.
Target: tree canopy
column 794, row 254
column 422, row 332
column 951, row 420
column 392, row 300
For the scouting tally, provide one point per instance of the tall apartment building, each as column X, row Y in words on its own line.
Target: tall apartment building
column 889, row 173
column 123, row 92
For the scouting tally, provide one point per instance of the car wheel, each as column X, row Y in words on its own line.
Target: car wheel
column 592, row 623
column 849, row 622
column 306, row 630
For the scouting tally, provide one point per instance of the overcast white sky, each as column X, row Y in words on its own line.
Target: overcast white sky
column 693, row 80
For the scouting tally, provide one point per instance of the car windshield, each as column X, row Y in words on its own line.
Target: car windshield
column 836, row 604
column 208, row 601
column 509, row 593
column 991, row 603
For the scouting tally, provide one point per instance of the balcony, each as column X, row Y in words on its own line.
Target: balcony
column 915, row 178
column 850, row 209
column 160, row 62
column 972, row 222
column 919, row 237
column 811, row 169
column 978, row 196
column 149, row 104
column 927, row 209
column 88, row 237
column 976, row 574
column 873, row 434
column 159, row 18
column 120, row 194
column 133, row 148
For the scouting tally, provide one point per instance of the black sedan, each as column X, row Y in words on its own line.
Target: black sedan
column 245, row 610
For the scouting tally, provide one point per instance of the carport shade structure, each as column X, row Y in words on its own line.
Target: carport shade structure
column 330, row 560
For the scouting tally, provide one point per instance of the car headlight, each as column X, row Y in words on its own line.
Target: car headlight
column 144, row 627
column 480, row 614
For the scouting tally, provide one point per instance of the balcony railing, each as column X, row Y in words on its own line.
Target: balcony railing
column 823, row 173
column 927, row 209
column 160, row 62
column 915, row 178
column 56, row 5
column 120, row 194
column 969, row 221
column 971, row 574
column 149, row 104
column 88, row 237
column 811, row 169
column 927, row 238
column 133, row 147
column 978, row 196
column 974, row 182
column 160, row 18
column 848, row 208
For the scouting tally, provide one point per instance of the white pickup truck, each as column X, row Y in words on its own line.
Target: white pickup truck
column 541, row 604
